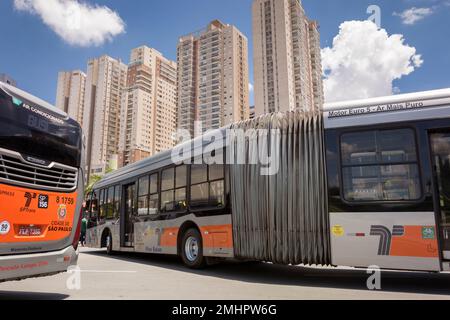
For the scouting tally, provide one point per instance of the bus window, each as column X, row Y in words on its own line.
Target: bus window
column 143, row 190
column 110, row 204
column 216, row 193
column 154, row 183
column 167, row 179
column 93, row 212
column 173, row 189
column 200, row 195
column 216, row 172
column 104, row 207
column 199, row 173
column 380, row 166
column 154, row 195
column 102, row 204
column 180, row 191
column 117, row 197
column 207, row 186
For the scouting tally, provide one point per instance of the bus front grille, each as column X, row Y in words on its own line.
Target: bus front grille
column 56, row 177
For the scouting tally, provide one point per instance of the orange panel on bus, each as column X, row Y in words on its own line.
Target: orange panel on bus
column 28, row 215
column 217, row 236
column 415, row 244
column 169, row 237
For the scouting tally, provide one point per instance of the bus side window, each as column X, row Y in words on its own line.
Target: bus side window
column 380, row 165
column 117, row 197
column 154, row 195
column 207, row 186
column 143, row 189
column 110, row 204
column 93, row 208
column 103, row 196
column 173, row 189
column 167, row 184
column 180, row 187
column 216, row 185
column 87, row 205
column 100, row 204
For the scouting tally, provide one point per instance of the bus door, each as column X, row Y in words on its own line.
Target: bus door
column 440, row 148
column 127, row 220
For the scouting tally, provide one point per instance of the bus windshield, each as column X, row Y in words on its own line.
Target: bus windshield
column 37, row 132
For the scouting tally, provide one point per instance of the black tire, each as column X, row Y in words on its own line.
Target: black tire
column 193, row 259
column 109, row 244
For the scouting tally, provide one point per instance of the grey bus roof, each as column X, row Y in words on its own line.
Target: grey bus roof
column 17, row 92
column 431, row 98
column 424, row 105
column 163, row 159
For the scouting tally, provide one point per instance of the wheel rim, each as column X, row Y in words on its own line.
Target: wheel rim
column 191, row 249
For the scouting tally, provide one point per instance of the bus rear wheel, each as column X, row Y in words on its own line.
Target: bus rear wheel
column 192, row 249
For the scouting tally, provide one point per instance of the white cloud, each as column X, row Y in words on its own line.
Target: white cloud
column 77, row 23
column 250, row 87
column 364, row 61
column 412, row 15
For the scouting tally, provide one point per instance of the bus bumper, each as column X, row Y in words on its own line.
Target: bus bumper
column 17, row 267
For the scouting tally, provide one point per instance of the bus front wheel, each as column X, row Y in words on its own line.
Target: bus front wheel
column 192, row 249
column 109, row 245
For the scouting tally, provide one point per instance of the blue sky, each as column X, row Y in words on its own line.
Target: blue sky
column 32, row 53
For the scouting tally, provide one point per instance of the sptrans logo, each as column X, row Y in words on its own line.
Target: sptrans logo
column 28, row 198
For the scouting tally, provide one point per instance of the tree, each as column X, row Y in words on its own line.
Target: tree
column 94, row 179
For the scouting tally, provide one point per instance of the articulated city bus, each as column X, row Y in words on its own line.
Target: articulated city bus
column 41, row 186
column 362, row 183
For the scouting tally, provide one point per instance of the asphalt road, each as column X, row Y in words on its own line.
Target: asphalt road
column 137, row 276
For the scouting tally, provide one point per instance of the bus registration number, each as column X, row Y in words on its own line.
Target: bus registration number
column 29, row 231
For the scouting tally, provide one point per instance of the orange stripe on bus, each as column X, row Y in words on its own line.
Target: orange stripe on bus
column 214, row 236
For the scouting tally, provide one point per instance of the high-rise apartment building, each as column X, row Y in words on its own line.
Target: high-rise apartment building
column 7, row 79
column 148, row 111
column 287, row 62
column 105, row 84
column 213, row 82
column 70, row 93
column 316, row 65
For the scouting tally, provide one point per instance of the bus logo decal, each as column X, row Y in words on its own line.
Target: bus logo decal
column 398, row 231
column 37, row 161
column 29, row 197
column 384, row 247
